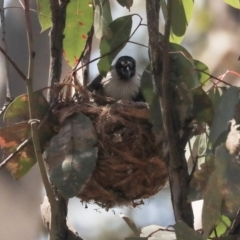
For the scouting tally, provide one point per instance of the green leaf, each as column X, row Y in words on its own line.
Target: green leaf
column 211, row 212
column 163, row 5
column 126, row 3
column 44, row 14
column 183, row 66
column 72, row 155
column 224, row 113
column 16, row 133
column 102, row 17
column 215, row 96
column 79, row 21
column 222, row 227
column 111, row 44
column 200, row 179
column 180, row 16
column 233, row 3
column 131, row 224
column 18, row 110
column 228, row 173
column 184, row 232
column 203, row 73
column 10, row 138
column 203, row 110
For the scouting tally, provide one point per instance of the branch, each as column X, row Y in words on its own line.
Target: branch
column 58, row 10
column 13, row 64
column 34, row 122
column 159, row 56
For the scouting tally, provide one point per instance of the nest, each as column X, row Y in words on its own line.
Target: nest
column 129, row 167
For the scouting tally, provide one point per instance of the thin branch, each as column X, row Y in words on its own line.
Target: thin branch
column 22, row 75
column 139, row 44
column 32, row 10
column 34, row 122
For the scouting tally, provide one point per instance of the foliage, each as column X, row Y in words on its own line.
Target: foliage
column 73, row 151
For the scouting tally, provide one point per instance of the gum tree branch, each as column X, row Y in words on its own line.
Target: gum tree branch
column 160, row 61
column 58, row 10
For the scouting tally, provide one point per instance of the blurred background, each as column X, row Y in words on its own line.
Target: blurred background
column 212, row 37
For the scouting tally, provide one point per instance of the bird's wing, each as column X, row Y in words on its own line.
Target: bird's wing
column 95, row 84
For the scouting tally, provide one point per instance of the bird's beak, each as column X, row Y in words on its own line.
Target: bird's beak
column 127, row 72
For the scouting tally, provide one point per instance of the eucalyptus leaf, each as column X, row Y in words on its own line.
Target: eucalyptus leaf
column 202, row 71
column 203, row 110
column 44, row 14
column 10, row 138
column 184, row 232
column 228, row 173
column 131, row 224
column 126, row 3
column 222, row 226
column 182, row 64
column 102, row 17
column 233, row 3
column 211, row 212
column 112, row 43
column 215, row 96
column 180, row 16
column 224, row 113
column 79, row 21
column 72, row 155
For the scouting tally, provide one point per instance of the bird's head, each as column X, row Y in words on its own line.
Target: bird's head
column 126, row 67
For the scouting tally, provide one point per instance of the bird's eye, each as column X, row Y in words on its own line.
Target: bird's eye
column 123, row 63
column 130, row 65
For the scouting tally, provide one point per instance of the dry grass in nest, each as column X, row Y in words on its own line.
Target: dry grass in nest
column 128, row 167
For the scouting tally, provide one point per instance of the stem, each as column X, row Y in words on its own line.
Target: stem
column 34, row 122
column 13, row 64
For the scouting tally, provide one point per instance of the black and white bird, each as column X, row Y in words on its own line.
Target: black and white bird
column 121, row 83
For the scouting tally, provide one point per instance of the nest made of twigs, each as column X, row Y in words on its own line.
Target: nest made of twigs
column 129, row 166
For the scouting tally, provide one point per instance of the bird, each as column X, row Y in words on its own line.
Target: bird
column 122, row 82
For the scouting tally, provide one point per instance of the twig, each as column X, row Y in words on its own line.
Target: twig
column 13, row 64
column 85, row 58
column 139, row 44
column 32, row 10
column 33, row 122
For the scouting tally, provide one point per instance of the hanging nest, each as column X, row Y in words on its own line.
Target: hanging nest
column 129, row 167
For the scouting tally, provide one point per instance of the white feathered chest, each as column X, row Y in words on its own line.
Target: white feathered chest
column 117, row 88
